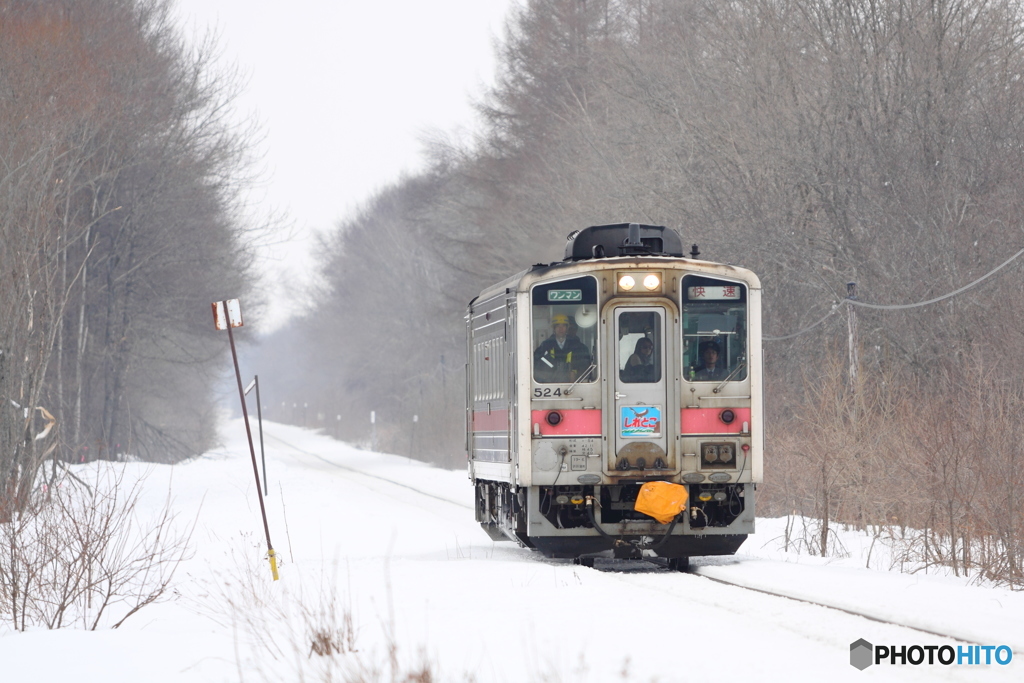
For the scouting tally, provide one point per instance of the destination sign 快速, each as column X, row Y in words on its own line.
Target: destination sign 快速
column 713, row 293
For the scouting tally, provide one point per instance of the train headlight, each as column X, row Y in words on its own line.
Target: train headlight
column 627, row 282
column 652, row 281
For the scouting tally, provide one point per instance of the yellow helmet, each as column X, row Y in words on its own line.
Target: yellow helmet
column 559, row 319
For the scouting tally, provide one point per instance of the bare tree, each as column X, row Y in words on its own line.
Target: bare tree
column 119, row 173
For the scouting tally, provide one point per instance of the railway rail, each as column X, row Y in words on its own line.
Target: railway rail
column 635, row 572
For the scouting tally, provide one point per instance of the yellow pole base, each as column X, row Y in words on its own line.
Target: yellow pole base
column 273, row 563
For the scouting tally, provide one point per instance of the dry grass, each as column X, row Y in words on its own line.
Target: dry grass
column 304, row 627
column 935, row 468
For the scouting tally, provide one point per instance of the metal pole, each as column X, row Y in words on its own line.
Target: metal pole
column 252, row 449
column 851, row 321
column 373, row 431
column 259, row 417
column 412, row 436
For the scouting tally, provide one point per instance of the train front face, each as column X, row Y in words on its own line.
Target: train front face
column 642, row 369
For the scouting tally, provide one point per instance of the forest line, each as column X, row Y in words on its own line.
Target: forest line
column 816, row 142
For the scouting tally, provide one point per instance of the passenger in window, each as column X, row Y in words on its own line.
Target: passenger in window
column 562, row 357
column 710, row 369
column 640, row 366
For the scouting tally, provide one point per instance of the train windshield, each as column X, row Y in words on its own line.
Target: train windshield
column 714, row 329
column 639, row 346
column 565, row 331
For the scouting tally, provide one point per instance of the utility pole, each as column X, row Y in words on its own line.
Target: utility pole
column 373, row 431
column 412, row 436
column 851, row 323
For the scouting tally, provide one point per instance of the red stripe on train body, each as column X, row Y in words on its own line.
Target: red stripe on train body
column 710, row 421
column 570, row 422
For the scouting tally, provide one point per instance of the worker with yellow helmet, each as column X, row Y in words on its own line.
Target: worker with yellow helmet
column 562, row 356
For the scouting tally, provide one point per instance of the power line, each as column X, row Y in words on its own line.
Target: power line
column 895, row 307
column 835, row 307
column 963, row 289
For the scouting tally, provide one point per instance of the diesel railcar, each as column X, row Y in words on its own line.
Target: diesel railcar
column 624, row 364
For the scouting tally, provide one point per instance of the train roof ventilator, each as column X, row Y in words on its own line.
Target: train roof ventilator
column 624, row 239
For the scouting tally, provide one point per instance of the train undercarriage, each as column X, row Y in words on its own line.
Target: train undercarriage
column 581, row 522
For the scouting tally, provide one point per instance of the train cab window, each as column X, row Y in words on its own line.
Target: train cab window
column 565, row 331
column 639, row 347
column 714, row 329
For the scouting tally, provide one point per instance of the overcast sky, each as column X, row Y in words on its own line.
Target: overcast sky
column 346, row 89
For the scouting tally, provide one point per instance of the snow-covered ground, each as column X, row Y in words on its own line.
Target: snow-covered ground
column 381, row 554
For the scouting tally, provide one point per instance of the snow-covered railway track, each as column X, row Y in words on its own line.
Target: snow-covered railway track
column 364, row 473
column 775, row 592
column 710, row 603
column 863, row 613
column 871, row 611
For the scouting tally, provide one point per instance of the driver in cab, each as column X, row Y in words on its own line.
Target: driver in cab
column 711, row 370
column 562, row 356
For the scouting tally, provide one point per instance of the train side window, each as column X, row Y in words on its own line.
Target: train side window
column 714, row 329
column 564, row 320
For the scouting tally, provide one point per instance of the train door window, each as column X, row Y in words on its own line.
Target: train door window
column 714, row 329
column 639, row 350
column 564, row 320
